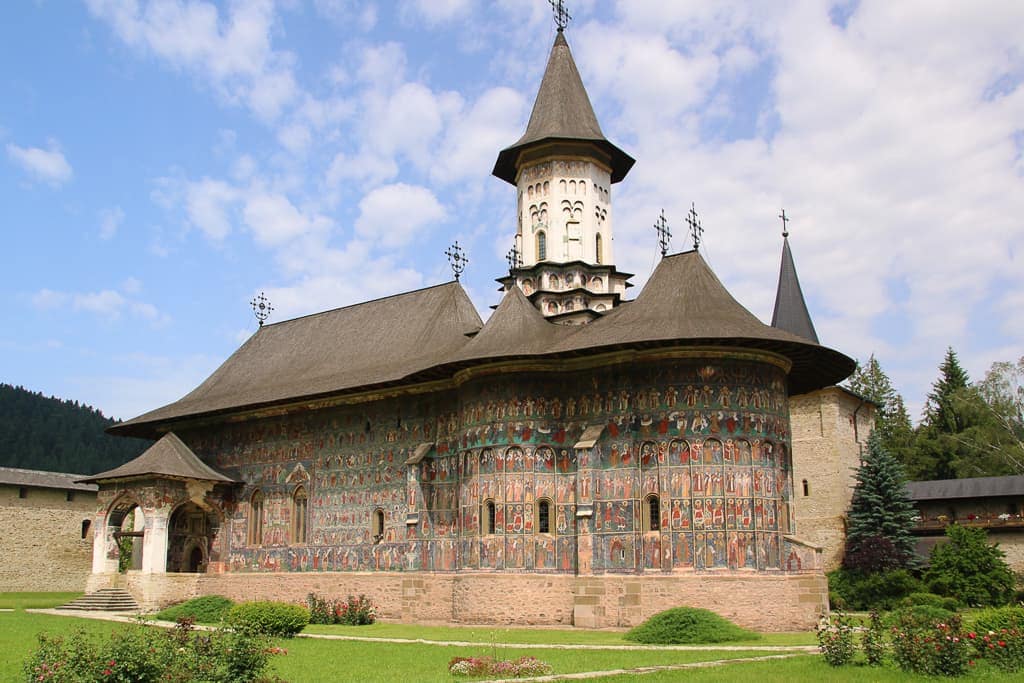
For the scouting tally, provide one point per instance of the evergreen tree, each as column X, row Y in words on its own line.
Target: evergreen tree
column 941, row 409
column 941, row 448
column 878, row 536
column 970, row 569
column 891, row 417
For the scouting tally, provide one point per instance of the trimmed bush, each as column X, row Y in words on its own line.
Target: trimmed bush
column 919, row 616
column 268, row 618
column 996, row 619
column 209, row 609
column 970, row 569
column 682, row 625
column 855, row 590
column 932, row 600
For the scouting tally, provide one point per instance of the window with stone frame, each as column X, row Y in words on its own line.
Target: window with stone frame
column 378, row 525
column 652, row 513
column 300, row 505
column 542, row 246
column 543, row 524
column 255, row 536
column 598, row 257
column 487, row 517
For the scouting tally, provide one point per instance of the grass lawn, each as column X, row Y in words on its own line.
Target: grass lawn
column 35, row 600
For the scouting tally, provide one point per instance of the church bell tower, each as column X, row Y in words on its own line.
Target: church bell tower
column 563, row 169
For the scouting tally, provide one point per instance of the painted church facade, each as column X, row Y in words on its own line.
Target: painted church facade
column 577, row 459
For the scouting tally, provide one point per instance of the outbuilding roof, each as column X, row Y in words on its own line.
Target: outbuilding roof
column 15, row 476
column 562, row 111
column 975, row 487
column 168, row 457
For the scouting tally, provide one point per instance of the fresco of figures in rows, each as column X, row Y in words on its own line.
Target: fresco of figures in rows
column 709, row 438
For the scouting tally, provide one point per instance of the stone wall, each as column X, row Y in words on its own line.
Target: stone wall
column 41, row 547
column 829, row 429
column 797, row 599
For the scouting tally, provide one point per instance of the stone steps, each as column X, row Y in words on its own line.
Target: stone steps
column 104, row 600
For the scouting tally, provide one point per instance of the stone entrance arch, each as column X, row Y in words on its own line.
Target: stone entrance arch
column 191, row 532
column 119, row 544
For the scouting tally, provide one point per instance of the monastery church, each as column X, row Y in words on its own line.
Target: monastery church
column 578, row 458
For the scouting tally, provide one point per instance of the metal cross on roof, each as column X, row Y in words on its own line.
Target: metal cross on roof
column 785, row 228
column 457, row 259
column 562, row 16
column 664, row 234
column 261, row 308
column 514, row 258
column 696, row 229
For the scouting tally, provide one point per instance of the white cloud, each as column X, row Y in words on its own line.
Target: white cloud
column 473, row 136
column 437, row 11
column 207, row 204
column 395, row 215
column 274, row 220
column 106, row 303
column 110, row 222
column 48, row 165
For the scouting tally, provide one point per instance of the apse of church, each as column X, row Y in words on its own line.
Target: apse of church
column 690, row 471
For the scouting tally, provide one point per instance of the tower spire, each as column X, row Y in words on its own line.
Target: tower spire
column 791, row 312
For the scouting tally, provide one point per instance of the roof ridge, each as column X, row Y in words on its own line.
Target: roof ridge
column 363, row 303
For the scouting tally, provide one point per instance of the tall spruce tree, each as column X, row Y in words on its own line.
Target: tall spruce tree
column 941, row 450
column 941, row 410
column 878, row 536
column 892, row 420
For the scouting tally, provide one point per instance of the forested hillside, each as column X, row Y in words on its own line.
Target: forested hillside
column 46, row 433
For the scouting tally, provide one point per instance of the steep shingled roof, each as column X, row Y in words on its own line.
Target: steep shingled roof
column 791, row 312
column 15, row 476
column 168, row 457
column 562, row 111
column 369, row 344
column 516, row 328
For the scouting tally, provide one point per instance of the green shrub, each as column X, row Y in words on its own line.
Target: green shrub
column 351, row 611
column 209, row 609
column 879, row 590
column 835, row 639
column 139, row 654
column 935, row 648
column 681, row 625
column 268, row 618
column 873, row 640
column 970, row 569
column 996, row 619
column 932, row 600
column 919, row 616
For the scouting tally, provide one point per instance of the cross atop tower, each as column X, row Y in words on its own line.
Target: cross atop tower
column 514, row 258
column 457, row 259
column 696, row 229
column 562, row 16
column 261, row 308
column 785, row 228
column 664, row 234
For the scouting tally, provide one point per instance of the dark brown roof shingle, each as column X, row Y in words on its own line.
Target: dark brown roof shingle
column 168, row 457
column 15, row 476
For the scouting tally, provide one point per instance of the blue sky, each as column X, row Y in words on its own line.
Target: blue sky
column 163, row 161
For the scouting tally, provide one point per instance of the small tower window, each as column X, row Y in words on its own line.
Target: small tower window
column 300, row 503
column 378, row 525
column 544, row 516
column 807, row 488
column 487, row 518
column 256, row 519
column 652, row 513
column 542, row 246
column 86, row 524
column 597, row 249
column 22, row 492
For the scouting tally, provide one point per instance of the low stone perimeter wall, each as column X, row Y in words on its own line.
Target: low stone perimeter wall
column 766, row 602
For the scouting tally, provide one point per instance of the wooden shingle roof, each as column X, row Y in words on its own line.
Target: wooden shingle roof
column 15, row 476
column 168, row 457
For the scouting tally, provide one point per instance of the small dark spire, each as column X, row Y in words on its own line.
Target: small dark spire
column 562, row 16
column 261, row 308
column 457, row 259
column 664, row 234
column 696, row 229
column 791, row 312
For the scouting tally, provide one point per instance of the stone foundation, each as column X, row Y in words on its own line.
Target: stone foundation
column 797, row 599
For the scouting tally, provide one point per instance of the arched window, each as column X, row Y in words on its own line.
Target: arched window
column 487, row 517
column 256, row 519
column 652, row 513
column 542, row 246
column 598, row 258
column 543, row 516
column 300, row 503
column 378, row 525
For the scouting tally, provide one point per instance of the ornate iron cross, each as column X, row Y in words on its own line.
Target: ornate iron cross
column 562, row 16
column 514, row 258
column 261, row 308
column 457, row 259
column 785, row 228
column 696, row 229
column 664, row 234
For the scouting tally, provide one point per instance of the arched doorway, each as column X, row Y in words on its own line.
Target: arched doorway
column 190, row 531
column 124, row 536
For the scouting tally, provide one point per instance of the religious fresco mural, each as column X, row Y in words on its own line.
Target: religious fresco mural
column 691, row 472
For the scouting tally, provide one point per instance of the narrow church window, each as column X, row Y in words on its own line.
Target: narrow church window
column 69, row 496
column 22, row 492
column 652, row 513
column 542, row 246
column 544, row 516
column 256, row 519
column 86, row 523
column 299, row 505
column 487, row 521
column 807, row 488
column 378, row 525
column 597, row 249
